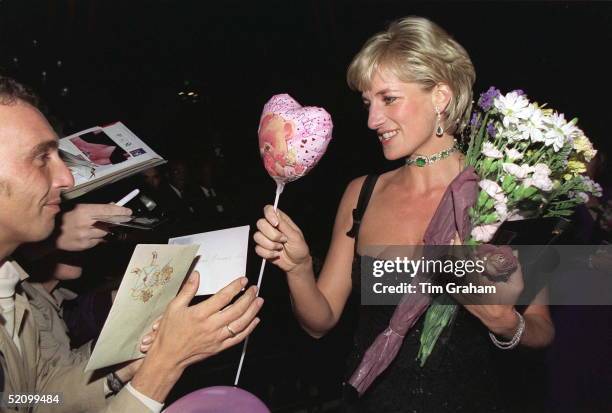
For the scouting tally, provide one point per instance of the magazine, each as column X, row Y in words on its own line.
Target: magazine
column 102, row 155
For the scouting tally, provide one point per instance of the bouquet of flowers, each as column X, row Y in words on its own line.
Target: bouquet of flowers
column 531, row 163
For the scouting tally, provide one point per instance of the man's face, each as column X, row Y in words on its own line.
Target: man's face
column 152, row 178
column 178, row 175
column 32, row 175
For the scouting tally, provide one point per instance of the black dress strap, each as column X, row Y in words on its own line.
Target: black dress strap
column 362, row 203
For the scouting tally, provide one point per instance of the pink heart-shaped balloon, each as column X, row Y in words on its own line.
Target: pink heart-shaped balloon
column 292, row 138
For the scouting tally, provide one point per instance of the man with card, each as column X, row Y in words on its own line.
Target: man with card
column 63, row 318
column 32, row 177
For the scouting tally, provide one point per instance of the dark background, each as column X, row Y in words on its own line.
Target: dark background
column 128, row 60
column 98, row 61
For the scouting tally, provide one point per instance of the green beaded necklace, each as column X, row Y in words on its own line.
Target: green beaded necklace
column 423, row 160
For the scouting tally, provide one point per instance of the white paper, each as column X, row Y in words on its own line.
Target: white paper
column 223, row 256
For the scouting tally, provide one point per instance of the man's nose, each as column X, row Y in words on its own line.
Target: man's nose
column 62, row 177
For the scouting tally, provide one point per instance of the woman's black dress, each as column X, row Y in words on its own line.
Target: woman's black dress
column 459, row 375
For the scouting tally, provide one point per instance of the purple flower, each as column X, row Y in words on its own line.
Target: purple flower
column 486, row 99
column 491, row 130
column 474, row 121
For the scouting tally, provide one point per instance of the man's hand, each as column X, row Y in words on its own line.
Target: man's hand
column 188, row 334
column 77, row 231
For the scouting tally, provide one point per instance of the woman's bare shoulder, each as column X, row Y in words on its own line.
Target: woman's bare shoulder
column 354, row 187
column 351, row 193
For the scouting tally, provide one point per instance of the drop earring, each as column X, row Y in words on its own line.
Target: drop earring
column 439, row 130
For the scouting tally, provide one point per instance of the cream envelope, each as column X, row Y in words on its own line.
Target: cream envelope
column 223, row 256
column 152, row 279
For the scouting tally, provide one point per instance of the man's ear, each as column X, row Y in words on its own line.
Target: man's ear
column 442, row 96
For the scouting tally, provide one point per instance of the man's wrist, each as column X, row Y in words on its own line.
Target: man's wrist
column 125, row 373
column 114, row 382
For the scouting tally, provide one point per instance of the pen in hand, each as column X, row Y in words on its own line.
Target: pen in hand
column 127, row 198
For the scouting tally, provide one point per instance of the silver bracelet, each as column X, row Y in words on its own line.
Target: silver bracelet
column 507, row 345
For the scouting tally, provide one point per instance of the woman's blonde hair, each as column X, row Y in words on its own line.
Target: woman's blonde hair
column 417, row 50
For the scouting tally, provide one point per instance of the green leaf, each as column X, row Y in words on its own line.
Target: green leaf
column 562, row 213
column 507, row 182
column 529, row 192
column 490, row 218
column 493, row 167
column 482, row 199
column 472, row 213
column 517, row 193
column 486, row 165
column 476, row 142
column 438, row 316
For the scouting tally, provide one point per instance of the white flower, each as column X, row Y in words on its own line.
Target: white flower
column 541, row 182
column 484, row 233
column 513, row 154
column 533, row 126
column 519, row 172
column 541, row 169
column 511, row 133
column 488, row 149
column 514, row 108
column 590, row 185
column 558, row 131
column 540, row 178
column 582, row 196
column 555, row 138
column 502, row 210
column 493, row 190
column 597, row 191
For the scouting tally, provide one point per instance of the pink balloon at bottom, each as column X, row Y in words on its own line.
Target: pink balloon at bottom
column 218, row 399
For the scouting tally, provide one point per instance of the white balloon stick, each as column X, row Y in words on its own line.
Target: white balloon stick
column 279, row 190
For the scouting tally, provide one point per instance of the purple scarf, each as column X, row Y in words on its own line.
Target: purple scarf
column 450, row 218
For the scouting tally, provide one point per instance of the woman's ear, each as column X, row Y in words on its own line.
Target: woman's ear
column 441, row 97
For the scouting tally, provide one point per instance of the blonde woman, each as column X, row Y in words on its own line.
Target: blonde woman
column 417, row 84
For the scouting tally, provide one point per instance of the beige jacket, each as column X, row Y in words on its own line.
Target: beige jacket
column 47, row 311
column 28, row 372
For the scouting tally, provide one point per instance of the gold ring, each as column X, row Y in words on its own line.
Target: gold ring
column 232, row 332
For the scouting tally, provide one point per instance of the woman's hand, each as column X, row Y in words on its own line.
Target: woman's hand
column 281, row 241
column 187, row 333
column 496, row 311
